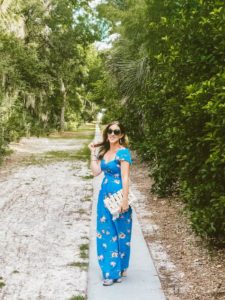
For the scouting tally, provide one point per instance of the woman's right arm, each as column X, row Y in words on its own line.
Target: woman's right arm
column 95, row 162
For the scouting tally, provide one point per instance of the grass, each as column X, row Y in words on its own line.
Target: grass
column 85, row 131
column 78, row 298
column 82, row 265
column 1, row 282
column 82, row 154
column 84, row 250
column 62, row 155
column 86, row 198
column 88, row 177
column 82, row 211
column 90, row 126
column 76, row 135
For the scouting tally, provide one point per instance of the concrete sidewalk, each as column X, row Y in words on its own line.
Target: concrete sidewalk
column 142, row 282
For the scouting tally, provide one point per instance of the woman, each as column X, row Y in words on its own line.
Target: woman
column 113, row 236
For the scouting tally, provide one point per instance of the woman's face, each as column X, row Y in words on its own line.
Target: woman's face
column 114, row 133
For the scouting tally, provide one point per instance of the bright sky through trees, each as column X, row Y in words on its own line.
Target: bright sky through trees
column 106, row 43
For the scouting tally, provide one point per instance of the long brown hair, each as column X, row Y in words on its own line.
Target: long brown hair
column 105, row 145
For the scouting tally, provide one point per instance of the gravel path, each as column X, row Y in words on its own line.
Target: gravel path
column 44, row 220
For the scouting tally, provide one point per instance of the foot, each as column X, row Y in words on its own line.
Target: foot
column 108, row 281
column 124, row 273
column 111, row 281
column 118, row 280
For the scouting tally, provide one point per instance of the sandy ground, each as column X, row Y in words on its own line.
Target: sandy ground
column 44, row 220
column 188, row 268
column 45, row 211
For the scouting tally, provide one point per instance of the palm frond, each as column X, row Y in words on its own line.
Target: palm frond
column 132, row 75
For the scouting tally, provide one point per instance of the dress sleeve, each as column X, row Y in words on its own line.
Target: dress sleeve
column 124, row 154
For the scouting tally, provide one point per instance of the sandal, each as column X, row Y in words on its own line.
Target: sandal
column 108, row 281
column 124, row 273
column 118, row 280
column 111, row 281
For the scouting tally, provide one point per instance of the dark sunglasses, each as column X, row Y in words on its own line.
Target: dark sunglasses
column 116, row 131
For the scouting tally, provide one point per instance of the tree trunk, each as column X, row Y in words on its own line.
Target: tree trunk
column 62, row 119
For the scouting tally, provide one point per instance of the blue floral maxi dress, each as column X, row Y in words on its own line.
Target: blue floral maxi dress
column 113, row 236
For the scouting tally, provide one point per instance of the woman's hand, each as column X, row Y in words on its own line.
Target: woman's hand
column 95, row 163
column 91, row 146
column 124, row 206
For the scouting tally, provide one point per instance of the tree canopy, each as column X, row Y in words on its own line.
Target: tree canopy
column 165, row 78
column 44, row 72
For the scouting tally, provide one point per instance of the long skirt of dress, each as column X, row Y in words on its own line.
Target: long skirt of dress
column 113, row 240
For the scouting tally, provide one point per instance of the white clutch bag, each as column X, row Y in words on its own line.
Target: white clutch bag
column 114, row 201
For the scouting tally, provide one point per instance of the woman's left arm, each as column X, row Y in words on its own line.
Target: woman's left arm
column 125, row 174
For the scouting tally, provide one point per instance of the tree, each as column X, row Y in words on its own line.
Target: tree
column 43, row 72
column 168, row 69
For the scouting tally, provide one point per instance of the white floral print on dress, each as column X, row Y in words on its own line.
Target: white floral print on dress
column 99, row 235
column 117, row 181
column 114, row 238
column 104, row 245
column 115, row 254
column 102, row 219
column 100, row 257
column 113, row 263
column 122, row 235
